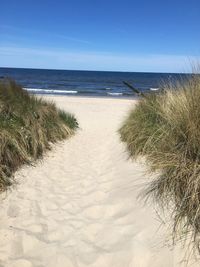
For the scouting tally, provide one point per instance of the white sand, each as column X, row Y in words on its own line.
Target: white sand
column 79, row 206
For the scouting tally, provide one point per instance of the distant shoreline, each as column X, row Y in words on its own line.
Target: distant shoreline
column 90, row 96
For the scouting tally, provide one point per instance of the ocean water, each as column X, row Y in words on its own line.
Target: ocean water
column 87, row 83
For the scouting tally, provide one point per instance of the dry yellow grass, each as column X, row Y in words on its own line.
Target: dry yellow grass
column 165, row 128
column 28, row 125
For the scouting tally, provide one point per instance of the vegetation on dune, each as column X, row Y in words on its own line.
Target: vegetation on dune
column 165, row 128
column 28, row 125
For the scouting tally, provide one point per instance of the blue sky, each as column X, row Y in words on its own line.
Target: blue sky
column 157, row 36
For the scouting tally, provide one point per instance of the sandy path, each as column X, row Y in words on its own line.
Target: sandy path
column 78, row 207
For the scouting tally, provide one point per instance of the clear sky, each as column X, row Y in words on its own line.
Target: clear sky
column 137, row 35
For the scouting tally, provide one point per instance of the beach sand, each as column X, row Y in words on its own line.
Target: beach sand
column 79, row 206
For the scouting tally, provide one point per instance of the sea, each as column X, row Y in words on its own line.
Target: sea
column 87, row 83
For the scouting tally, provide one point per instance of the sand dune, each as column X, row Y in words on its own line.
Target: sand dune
column 79, row 206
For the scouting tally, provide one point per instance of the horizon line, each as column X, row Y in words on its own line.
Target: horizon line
column 30, row 68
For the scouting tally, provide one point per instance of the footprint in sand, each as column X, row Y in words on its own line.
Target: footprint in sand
column 13, row 211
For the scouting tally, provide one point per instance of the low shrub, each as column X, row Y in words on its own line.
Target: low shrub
column 165, row 129
column 28, row 125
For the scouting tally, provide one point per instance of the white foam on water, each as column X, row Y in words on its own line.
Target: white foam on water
column 154, row 89
column 51, row 91
column 115, row 93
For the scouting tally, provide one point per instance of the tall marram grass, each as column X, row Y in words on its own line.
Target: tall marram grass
column 28, row 125
column 165, row 129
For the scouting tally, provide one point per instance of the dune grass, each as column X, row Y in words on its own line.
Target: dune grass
column 28, row 126
column 165, row 129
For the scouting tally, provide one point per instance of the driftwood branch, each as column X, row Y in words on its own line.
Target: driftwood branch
column 135, row 90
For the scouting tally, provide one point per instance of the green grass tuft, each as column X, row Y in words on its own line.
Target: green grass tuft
column 165, row 129
column 69, row 119
column 28, row 125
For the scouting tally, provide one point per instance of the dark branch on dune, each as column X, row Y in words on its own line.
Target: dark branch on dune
column 135, row 90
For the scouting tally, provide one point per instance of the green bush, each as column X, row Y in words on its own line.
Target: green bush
column 28, row 125
column 165, row 129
